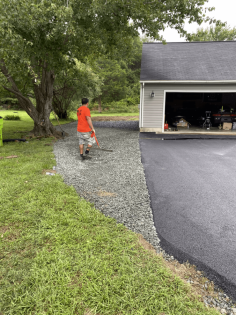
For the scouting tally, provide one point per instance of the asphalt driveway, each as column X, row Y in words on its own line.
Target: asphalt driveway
column 192, row 186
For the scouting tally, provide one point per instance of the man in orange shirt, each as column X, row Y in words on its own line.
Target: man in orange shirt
column 84, row 129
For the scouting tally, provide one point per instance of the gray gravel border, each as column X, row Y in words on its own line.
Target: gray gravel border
column 114, row 182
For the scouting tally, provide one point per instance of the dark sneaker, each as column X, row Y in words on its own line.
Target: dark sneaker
column 82, row 158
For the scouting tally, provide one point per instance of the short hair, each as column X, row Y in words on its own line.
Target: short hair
column 85, row 101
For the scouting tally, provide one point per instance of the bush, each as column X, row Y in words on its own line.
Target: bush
column 9, row 100
column 129, row 105
column 124, row 109
column 11, row 117
column 133, row 100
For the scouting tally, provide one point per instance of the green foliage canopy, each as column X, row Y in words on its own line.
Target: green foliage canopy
column 71, row 85
column 40, row 38
column 221, row 32
column 48, row 29
column 120, row 75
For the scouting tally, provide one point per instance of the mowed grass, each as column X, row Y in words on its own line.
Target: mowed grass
column 15, row 129
column 106, row 113
column 60, row 255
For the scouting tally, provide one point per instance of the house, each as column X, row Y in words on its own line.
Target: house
column 188, row 80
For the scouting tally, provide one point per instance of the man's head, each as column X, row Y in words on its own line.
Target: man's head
column 85, row 101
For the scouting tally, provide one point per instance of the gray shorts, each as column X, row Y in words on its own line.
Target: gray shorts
column 85, row 137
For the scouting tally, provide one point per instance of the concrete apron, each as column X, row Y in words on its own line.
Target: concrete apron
column 205, row 132
column 185, row 131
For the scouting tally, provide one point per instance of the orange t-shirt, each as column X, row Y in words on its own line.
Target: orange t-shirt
column 83, row 125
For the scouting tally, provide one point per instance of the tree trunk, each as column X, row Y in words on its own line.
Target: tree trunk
column 99, row 104
column 43, row 94
column 58, row 108
column 62, row 114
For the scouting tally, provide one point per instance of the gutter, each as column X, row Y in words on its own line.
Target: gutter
column 190, row 82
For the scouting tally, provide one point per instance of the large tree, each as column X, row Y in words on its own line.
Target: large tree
column 71, row 85
column 120, row 75
column 221, row 32
column 114, row 81
column 39, row 38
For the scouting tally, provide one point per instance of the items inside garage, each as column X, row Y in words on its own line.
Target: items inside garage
column 200, row 111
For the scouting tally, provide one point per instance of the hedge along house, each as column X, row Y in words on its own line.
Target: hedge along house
column 188, row 79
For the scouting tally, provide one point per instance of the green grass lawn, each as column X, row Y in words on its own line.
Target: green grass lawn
column 106, row 113
column 15, row 129
column 60, row 255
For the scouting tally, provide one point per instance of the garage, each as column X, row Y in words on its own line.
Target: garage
column 200, row 111
column 188, row 87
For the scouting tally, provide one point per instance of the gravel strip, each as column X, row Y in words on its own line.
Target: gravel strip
column 115, row 182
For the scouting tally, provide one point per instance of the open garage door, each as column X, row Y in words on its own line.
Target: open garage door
column 200, row 112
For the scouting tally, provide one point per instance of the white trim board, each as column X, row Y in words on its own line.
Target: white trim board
column 191, row 82
column 184, row 91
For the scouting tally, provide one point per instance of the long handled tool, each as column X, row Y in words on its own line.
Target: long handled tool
column 62, row 131
column 93, row 135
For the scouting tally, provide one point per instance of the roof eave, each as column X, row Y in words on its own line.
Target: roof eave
column 189, row 81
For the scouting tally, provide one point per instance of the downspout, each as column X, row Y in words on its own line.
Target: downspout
column 140, row 106
column 142, row 103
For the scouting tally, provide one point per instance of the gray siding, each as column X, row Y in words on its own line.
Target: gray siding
column 153, row 107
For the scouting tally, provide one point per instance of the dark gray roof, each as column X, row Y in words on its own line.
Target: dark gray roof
column 208, row 61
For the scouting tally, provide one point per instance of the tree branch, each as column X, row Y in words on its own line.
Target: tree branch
column 16, row 93
column 7, row 75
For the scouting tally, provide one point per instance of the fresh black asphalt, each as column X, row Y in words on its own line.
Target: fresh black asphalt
column 192, row 187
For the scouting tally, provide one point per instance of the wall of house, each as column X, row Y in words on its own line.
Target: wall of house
column 153, row 108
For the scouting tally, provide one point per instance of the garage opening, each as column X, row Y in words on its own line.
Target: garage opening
column 199, row 112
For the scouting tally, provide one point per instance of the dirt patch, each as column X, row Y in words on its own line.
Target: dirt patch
column 9, row 233
column 187, row 272
column 114, row 118
column 48, row 171
column 88, row 312
column 145, row 244
column 11, row 157
column 102, row 193
column 3, row 229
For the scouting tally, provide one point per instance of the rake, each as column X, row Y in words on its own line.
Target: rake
column 93, row 135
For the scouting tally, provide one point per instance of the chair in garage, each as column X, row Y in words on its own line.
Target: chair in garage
column 207, row 123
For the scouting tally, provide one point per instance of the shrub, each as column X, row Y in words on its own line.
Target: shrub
column 11, row 117
column 9, row 100
column 132, row 100
column 128, row 105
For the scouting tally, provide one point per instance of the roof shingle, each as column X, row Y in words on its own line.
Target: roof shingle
column 198, row 61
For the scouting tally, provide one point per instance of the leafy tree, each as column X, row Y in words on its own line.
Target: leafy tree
column 221, row 32
column 120, row 75
column 134, row 67
column 40, row 38
column 72, row 84
column 114, row 80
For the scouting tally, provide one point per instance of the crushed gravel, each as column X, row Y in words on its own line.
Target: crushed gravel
column 115, row 182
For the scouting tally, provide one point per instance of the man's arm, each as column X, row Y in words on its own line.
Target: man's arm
column 89, row 120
